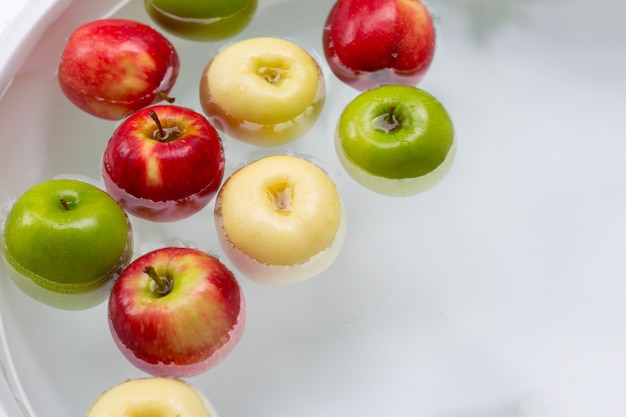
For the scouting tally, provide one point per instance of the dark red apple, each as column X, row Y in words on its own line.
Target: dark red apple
column 163, row 163
column 176, row 312
column 369, row 43
column 112, row 67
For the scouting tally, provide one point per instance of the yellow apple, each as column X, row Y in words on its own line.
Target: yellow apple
column 280, row 220
column 265, row 91
column 152, row 396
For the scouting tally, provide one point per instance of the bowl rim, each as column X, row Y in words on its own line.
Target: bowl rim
column 22, row 33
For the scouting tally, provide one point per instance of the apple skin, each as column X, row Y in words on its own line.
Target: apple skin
column 403, row 158
column 368, row 43
column 66, row 257
column 164, row 181
column 202, row 21
column 280, row 220
column 155, row 396
column 264, row 91
column 112, row 67
column 191, row 328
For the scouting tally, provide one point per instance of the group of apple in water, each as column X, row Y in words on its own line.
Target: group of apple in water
column 393, row 138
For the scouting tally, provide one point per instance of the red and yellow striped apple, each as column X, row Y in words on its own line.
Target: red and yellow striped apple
column 176, row 312
column 368, row 43
column 164, row 163
column 112, row 67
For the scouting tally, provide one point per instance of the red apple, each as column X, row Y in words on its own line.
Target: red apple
column 112, row 67
column 163, row 163
column 369, row 43
column 176, row 312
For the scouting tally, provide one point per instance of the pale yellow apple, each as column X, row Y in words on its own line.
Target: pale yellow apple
column 280, row 220
column 153, row 396
column 265, row 91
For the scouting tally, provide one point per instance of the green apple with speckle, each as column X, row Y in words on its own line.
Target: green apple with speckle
column 203, row 21
column 65, row 241
column 396, row 140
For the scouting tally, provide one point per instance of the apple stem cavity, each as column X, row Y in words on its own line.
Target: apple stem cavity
column 164, row 134
column 387, row 122
column 271, row 75
column 162, row 285
column 281, row 196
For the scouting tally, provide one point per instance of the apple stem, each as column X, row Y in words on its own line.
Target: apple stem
column 65, row 205
column 387, row 122
column 163, row 284
column 155, row 117
column 391, row 119
column 165, row 97
column 164, row 134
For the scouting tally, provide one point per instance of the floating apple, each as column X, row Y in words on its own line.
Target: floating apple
column 152, row 396
column 280, row 220
column 176, row 312
column 368, row 43
column 396, row 140
column 64, row 242
column 264, row 91
column 112, row 67
column 164, row 163
column 208, row 20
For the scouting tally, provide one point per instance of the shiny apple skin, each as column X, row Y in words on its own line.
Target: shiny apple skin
column 112, row 67
column 368, row 43
column 66, row 257
column 205, row 21
column 164, row 181
column 186, row 332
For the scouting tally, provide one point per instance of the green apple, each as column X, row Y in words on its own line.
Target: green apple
column 65, row 241
column 152, row 396
column 265, row 91
column 396, row 140
column 280, row 220
column 206, row 20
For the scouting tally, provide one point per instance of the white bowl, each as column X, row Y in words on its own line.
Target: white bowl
column 496, row 293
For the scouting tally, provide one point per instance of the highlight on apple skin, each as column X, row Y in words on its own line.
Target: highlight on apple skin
column 112, row 67
column 164, row 163
column 176, row 312
column 396, row 140
column 264, row 91
column 152, row 396
column 64, row 242
column 280, row 220
column 202, row 21
column 369, row 43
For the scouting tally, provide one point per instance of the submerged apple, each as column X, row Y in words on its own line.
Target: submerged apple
column 368, row 43
column 207, row 20
column 164, row 163
column 264, row 91
column 396, row 140
column 280, row 220
column 152, row 396
column 176, row 312
column 64, row 242
column 112, row 67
